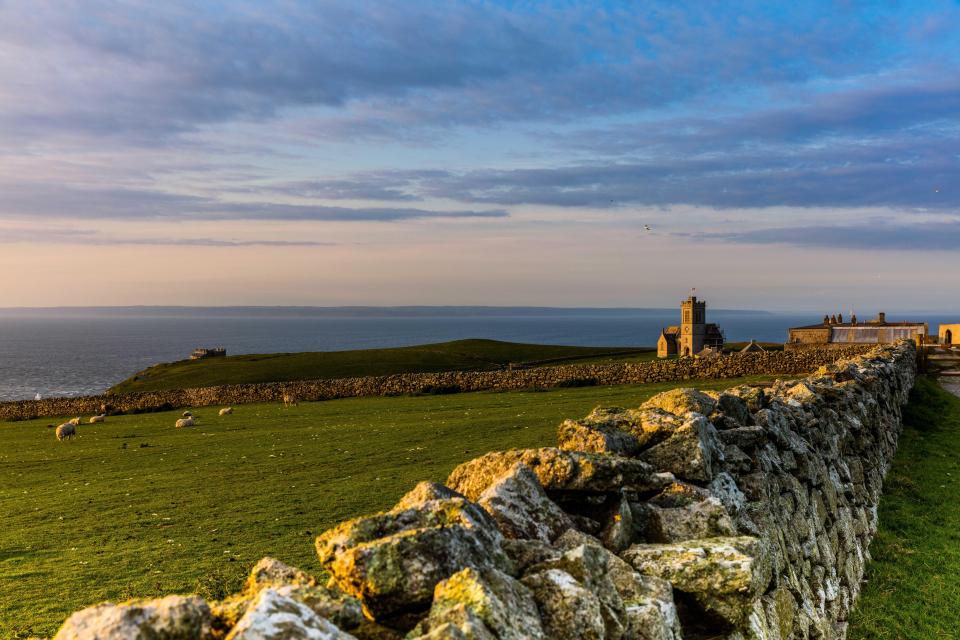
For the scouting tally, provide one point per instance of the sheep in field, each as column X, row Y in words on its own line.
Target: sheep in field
column 74, row 421
column 100, row 418
column 185, row 422
column 66, row 430
column 289, row 399
column 226, row 411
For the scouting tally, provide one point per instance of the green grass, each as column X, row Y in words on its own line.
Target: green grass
column 459, row 355
column 134, row 507
column 913, row 588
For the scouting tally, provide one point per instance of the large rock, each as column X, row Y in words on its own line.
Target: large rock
column 392, row 561
column 277, row 617
column 650, row 611
column 557, row 470
column 596, row 437
column 692, row 452
column 569, row 610
column 590, row 566
column 170, row 618
column 724, row 575
column 505, row 606
column 686, row 512
column 425, row 492
column 521, row 507
column 459, row 623
column 270, row 572
column 344, row 611
column 681, row 401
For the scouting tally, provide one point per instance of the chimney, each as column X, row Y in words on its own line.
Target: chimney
column 881, row 317
column 839, row 318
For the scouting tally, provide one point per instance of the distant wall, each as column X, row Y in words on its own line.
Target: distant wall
column 732, row 366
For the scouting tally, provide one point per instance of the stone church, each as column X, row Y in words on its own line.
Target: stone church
column 694, row 333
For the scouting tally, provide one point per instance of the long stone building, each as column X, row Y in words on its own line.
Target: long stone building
column 833, row 330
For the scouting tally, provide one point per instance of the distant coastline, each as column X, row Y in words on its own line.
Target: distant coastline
column 350, row 311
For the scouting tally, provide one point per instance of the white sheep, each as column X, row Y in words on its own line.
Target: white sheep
column 289, row 399
column 226, row 411
column 185, row 422
column 100, row 418
column 66, row 430
column 74, row 421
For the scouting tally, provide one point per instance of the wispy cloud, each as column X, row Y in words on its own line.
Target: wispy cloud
column 88, row 237
column 26, row 199
column 867, row 236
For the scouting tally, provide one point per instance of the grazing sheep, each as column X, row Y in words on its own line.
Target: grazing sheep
column 186, row 414
column 289, row 399
column 74, row 421
column 226, row 411
column 100, row 418
column 185, row 422
column 66, row 430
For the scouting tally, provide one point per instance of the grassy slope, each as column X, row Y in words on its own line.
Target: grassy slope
column 913, row 588
column 105, row 517
column 446, row 356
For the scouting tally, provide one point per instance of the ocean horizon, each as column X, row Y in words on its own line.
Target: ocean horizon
column 72, row 351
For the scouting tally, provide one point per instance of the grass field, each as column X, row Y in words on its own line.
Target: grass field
column 913, row 588
column 460, row 355
column 134, row 507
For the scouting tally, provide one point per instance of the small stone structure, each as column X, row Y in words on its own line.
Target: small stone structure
column 694, row 333
column 740, row 515
column 949, row 334
column 834, row 331
column 732, row 366
column 202, row 353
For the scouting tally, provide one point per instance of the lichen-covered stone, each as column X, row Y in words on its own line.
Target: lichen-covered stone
column 590, row 566
column 521, row 507
column 392, row 561
column 425, row 492
column 692, row 452
column 725, row 575
column 617, row 532
column 170, row 618
column 526, row 553
column 569, row 610
column 505, row 606
column 681, row 401
column 705, row 518
column 270, row 572
column 557, row 470
column 339, row 608
column 581, row 435
column 273, row 616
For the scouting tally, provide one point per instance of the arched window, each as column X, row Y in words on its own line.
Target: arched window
column 948, row 337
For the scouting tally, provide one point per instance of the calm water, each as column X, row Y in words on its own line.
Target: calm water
column 82, row 355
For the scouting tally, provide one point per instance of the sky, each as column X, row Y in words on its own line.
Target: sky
column 774, row 155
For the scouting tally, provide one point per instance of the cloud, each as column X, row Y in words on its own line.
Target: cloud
column 869, row 236
column 95, row 238
column 142, row 72
column 50, row 200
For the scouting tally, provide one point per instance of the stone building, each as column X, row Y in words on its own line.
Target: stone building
column 694, row 333
column 833, row 330
column 949, row 334
column 202, row 353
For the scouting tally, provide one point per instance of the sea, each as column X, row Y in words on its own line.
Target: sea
column 81, row 351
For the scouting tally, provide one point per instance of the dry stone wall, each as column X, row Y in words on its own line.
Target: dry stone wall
column 772, row 363
column 741, row 515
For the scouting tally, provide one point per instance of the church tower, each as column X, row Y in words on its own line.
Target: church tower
column 693, row 326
